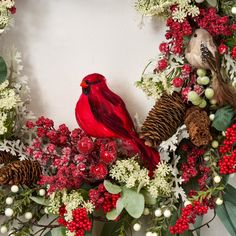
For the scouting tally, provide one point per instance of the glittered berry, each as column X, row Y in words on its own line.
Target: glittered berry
column 162, row 64
column 234, row 52
column 98, row 171
column 85, row 145
column 164, row 48
column 108, row 152
column 223, row 49
column 186, row 69
column 178, row 82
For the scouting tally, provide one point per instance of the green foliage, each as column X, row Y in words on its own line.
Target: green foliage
column 40, row 200
column 149, row 200
column 227, row 215
column 212, row 3
column 3, row 70
column 112, row 188
column 223, row 118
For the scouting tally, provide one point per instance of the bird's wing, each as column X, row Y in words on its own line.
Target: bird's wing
column 109, row 109
column 208, row 57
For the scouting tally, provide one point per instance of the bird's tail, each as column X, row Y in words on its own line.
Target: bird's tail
column 150, row 156
column 225, row 93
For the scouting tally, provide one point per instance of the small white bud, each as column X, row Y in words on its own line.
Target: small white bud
column 28, row 215
column 42, row 192
column 167, row 213
column 146, row 211
column 215, row 144
column 8, row 212
column 149, row 234
column 233, row 10
column 137, row 227
column 14, row 188
column 199, row 1
column 9, row 200
column 3, row 229
column 212, row 117
column 217, row 179
column 158, row 212
column 219, row 201
column 154, row 234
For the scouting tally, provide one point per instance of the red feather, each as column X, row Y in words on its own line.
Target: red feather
column 102, row 113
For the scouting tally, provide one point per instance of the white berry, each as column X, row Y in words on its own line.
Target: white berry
column 14, row 188
column 212, row 117
column 201, row 72
column 209, row 93
column 205, row 80
column 9, row 200
column 146, row 211
column 8, row 212
column 219, row 201
column 233, row 10
column 149, row 234
column 167, row 213
column 203, row 103
column 187, row 203
column 223, row 133
column 193, row 96
column 215, row 144
column 213, row 101
column 28, row 215
column 42, row 192
column 154, row 234
column 158, row 212
column 217, row 179
column 137, row 227
column 3, row 229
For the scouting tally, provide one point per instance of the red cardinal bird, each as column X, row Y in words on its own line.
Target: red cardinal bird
column 103, row 114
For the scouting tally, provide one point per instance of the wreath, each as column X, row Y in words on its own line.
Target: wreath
column 169, row 171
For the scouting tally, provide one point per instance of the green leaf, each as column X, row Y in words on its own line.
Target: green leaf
column 149, row 200
column 88, row 234
column 230, row 193
column 60, row 231
column 48, row 233
column 3, row 70
column 197, row 224
column 133, row 202
column 212, row 3
column 227, row 214
column 112, row 188
column 113, row 214
column 223, row 118
column 40, row 200
column 112, row 228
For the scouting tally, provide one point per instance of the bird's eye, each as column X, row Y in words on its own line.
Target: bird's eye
column 195, row 35
column 86, row 81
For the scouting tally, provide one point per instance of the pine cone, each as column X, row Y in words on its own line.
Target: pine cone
column 6, row 157
column 24, row 172
column 164, row 119
column 198, row 123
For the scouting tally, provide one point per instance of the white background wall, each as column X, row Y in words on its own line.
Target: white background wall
column 64, row 40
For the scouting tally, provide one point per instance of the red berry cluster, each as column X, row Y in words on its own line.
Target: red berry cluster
column 72, row 156
column 190, row 168
column 227, row 162
column 215, row 24
column 80, row 222
column 102, row 199
column 188, row 216
column 176, row 33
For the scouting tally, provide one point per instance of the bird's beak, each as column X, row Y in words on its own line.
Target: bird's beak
column 84, row 84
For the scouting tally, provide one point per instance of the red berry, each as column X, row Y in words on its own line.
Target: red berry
column 223, row 49
column 162, row 64
column 186, row 69
column 164, row 48
column 108, row 152
column 98, row 171
column 234, row 52
column 85, row 145
column 178, row 82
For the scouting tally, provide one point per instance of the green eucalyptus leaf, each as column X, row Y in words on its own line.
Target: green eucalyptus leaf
column 3, row 70
column 60, row 231
column 198, row 224
column 48, row 233
column 212, row 3
column 113, row 214
column 149, row 200
column 40, row 200
column 227, row 215
column 133, row 202
column 112, row 188
column 223, row 118
column 230, row 193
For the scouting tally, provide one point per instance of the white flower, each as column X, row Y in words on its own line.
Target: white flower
column 88, row 206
